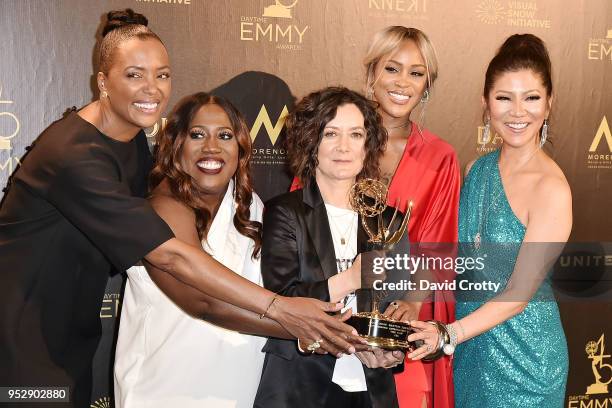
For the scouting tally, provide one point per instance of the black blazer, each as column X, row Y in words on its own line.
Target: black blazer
column 297, row 259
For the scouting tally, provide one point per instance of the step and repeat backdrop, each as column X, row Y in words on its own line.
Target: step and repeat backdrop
column 266, row 54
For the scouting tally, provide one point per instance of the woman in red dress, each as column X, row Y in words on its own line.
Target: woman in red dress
column 401, row 68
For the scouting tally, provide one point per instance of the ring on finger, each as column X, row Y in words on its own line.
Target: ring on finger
column 301, row 350
column 313, row 346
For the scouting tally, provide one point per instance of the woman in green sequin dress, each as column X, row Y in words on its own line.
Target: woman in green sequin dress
column 513, row 351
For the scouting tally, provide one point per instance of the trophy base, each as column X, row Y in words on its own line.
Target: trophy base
column 380, row 331
column 597, row 388
column 388, row 344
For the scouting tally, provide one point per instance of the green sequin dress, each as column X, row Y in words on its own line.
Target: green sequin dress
column 522, row 362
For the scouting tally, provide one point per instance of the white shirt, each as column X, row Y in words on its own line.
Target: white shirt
column 166, row 358
column 348, row 370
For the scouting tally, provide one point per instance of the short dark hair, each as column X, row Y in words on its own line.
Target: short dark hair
column 305, row 129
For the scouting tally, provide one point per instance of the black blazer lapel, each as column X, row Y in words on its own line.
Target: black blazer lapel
column 317, row 224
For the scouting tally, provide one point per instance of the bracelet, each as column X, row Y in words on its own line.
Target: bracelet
column 442, row 341
column 449, row 348
column 441, row 335
column 261, row 316
column 447, row 342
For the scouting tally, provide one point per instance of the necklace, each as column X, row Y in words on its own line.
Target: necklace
column 483, row 220
column 348, row 230
column 343, row 261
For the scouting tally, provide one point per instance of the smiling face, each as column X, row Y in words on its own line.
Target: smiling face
column 137, row 83
column 342, row 148
column 400, row 80
column 210, row 150
column 517, row 104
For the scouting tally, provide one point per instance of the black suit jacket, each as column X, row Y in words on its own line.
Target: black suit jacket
column 297, row 260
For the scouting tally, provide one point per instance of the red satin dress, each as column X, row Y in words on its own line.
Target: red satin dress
column 428, row 175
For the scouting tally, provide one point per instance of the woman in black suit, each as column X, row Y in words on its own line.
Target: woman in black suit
column 310, row 239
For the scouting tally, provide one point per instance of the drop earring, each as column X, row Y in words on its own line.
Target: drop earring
column 544, row 133
column 425, row 97
column 486, row 133
column 370, row 92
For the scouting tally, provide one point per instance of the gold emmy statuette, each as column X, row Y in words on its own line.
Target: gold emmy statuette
column 369, row 198
column 595, row 352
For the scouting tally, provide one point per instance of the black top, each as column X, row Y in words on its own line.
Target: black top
column 75, row 209
column 297, row 259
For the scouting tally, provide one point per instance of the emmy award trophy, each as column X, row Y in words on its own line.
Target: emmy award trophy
column 368, row 197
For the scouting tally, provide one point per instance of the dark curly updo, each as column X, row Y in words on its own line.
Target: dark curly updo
column 306, row 123
column 122, row 25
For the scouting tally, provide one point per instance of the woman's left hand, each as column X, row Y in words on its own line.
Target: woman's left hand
column 378, row 358
column 429, row 334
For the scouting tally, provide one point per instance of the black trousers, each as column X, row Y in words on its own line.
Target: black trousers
column 338, row 398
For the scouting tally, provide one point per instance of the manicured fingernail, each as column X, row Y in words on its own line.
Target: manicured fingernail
column 351, row 349
column 354, row 332
column 339, row 355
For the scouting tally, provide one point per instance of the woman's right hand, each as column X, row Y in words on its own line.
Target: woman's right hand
column 307, row 320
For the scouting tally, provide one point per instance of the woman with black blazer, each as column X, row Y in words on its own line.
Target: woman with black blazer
column 310, row 239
